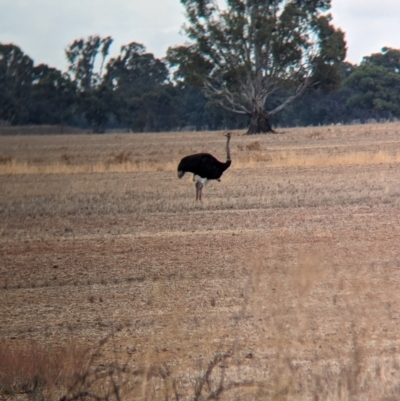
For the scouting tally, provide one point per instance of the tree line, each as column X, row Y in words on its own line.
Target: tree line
column 133, row 90
column 253, row 64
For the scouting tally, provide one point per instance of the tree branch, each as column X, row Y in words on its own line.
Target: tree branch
column 226, row 95
column 299, row 90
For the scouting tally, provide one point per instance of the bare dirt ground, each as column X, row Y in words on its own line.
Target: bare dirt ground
column 287, row 276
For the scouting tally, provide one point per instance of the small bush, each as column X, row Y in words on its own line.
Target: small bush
column 120, row 158
column 255, row 146
column 66, row 158
column 37, row 371
column 5, row 159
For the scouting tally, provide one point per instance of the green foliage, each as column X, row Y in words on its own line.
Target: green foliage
column 140, row 83
column 389, row 58
column 135, row 71
column 95, row 97
column 15, row 83
column 376, row 84
column 53, row 96
column 133, row 90
column 327, row 74
column 82, row 55
column 96, row 104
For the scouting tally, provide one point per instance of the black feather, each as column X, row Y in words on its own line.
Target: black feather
column 203, row 165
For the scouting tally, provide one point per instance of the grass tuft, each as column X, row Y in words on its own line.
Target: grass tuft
column 37, row 371
column 5, row 160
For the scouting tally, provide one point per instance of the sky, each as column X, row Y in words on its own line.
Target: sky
column 44, row 28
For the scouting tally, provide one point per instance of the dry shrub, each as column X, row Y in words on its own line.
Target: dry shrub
column 69, row 374
column 66, row 158
column 252, row 160
column 294, row 158
column 120, row 158
column 37, row 371
column 5, row 159
column 85, row 155
column 38, row 160
column 107, row 167
column 254, row 146
column 343, row 369
column 274, row 158
column 315, row 135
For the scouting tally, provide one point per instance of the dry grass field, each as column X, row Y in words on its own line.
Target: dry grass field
column 283, row 285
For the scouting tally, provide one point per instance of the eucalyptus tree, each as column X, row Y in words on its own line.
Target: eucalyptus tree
column 82, row 56
column 87, row 61
column 53, row 97
column 241, row 52
column 15, row 83
column 375, row 84
column 388, row 58
column 145, row 99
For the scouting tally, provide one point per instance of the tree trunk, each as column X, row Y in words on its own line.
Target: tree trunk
column 98, row 128
column 259, row 123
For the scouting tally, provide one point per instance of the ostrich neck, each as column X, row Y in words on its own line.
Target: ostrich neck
column 228, row 155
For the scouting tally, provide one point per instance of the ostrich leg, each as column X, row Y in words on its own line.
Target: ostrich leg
column 199, row 187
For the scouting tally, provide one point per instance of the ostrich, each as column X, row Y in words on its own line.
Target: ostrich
column 204, row 167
